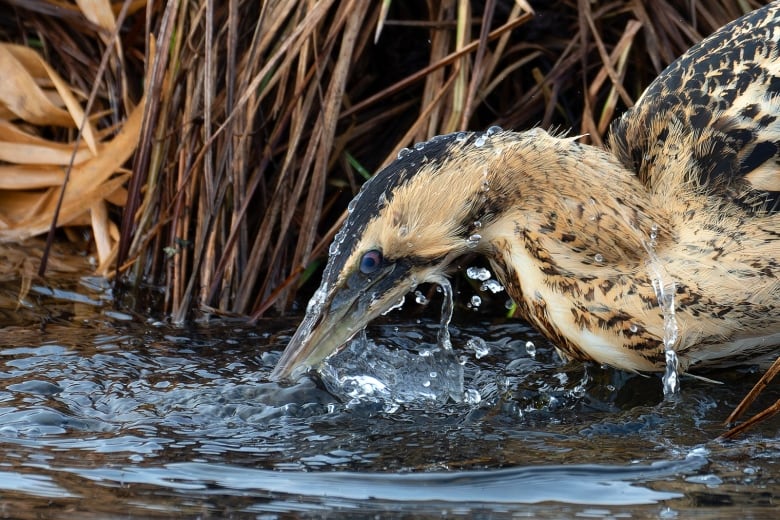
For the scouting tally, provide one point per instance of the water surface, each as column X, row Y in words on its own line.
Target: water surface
column 104, row 414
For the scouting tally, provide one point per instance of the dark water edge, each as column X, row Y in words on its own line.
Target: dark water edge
column 108, row 415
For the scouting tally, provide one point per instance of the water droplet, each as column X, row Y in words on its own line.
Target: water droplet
column 475, row 301
column 419, row 146
column 433, row 375
column 479, row 142
column 473, row 240
column 478, row 273
column 461, row 136
column 477, row 224
column 509, row 304
column 653, row 235
column 634, row 328
column 333, row 250
column 479, row 346
column 351, row 205
column 403, row 152
column 530, row 348
column 420, row 298
column 493, row 130
column 426, row 384
column 598, row 257
column 493, row 286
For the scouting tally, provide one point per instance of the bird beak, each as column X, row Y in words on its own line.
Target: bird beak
column 345, row 311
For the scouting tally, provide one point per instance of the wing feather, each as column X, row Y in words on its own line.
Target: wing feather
column 713, row 116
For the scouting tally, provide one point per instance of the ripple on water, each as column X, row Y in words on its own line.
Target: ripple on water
column 191, row 411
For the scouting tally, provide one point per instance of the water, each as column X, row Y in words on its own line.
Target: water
column 665, row 288
column 107, row 415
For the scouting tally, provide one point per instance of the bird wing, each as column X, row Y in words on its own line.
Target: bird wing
column 712, row 117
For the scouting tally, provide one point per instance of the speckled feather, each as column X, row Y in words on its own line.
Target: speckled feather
column 713, row 114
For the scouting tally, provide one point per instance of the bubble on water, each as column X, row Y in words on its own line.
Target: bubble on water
column 530, row 348
column 478, row 273
column 475, row 301
column 493, row 286
column 403, row 152
column 479, row 142
column 479, row 346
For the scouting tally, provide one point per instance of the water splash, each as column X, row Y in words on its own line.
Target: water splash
column 665, row 289
column 447, row 307
column 479, row 346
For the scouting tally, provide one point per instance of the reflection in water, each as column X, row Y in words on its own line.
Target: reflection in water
column 147, row 419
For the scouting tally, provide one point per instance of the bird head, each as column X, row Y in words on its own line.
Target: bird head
column 406, row 227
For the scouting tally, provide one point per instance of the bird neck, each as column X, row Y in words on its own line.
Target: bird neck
column 573, row 201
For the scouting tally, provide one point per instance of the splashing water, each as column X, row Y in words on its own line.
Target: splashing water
column 447, row 307
column 665, row 295
column 664, row 289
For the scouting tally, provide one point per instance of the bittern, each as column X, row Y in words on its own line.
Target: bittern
column 685, row 196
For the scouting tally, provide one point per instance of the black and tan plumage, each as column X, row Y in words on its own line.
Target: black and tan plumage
column 687, row 192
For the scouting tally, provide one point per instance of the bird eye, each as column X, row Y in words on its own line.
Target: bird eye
column 371, row 261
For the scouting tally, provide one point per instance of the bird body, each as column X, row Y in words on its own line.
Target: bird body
column 675, row 223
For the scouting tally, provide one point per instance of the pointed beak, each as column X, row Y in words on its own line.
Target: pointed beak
column 335, row 315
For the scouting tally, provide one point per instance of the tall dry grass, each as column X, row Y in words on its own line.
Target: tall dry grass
column 210, row 147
